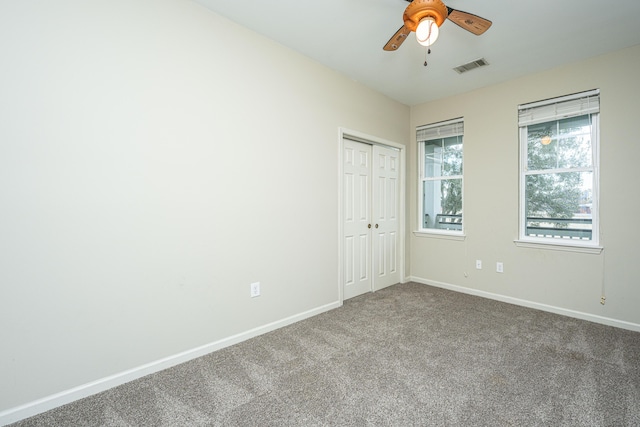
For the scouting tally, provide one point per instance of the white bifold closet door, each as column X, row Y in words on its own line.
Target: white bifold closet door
column 371, row 186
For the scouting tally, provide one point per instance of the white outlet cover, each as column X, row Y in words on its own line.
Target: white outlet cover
column 255, row 289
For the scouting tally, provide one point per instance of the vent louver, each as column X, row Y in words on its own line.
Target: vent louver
column 471, row 65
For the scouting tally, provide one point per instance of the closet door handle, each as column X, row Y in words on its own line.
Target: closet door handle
column 376, row 225
column 369, row 226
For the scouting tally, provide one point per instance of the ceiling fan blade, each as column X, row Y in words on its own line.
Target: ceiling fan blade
column 398, row 38
column 469, row 21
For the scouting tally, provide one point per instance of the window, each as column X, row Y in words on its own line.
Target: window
column 440, row 181
column 559, row 170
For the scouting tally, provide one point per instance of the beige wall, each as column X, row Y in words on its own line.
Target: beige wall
column 570, row 283
column 155, row 159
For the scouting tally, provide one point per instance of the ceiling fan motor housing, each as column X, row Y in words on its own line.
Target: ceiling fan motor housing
column 420, row 9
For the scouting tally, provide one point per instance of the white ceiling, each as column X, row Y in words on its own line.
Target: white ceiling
column 526, row 36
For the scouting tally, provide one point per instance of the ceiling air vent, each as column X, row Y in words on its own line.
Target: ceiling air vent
column 471, row 65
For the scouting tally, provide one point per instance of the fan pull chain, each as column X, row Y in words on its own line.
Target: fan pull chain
column 428, row 51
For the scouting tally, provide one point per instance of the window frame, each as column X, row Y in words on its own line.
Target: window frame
column 437, row 127
column 569, row 244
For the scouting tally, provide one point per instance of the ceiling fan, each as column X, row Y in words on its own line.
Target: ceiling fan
column 426, row 16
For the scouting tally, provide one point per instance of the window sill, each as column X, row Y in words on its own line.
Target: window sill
column 559, row 247
column 439, row 235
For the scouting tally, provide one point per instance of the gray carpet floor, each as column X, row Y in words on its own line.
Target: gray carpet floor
column 409, row 355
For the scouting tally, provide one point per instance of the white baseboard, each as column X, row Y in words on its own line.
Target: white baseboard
column 42, row 405
column 530, row 304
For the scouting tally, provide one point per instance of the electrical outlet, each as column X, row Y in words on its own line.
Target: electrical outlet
column 499, row 267
column 255, row 289
column 602, row 299
column 479, row 264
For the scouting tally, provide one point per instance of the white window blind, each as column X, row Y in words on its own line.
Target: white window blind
column 446, row 129
column 559, row 108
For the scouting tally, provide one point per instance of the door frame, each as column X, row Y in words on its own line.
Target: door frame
column 371, row 140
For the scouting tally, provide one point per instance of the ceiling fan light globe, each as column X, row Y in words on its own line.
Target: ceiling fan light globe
column 427, row 31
